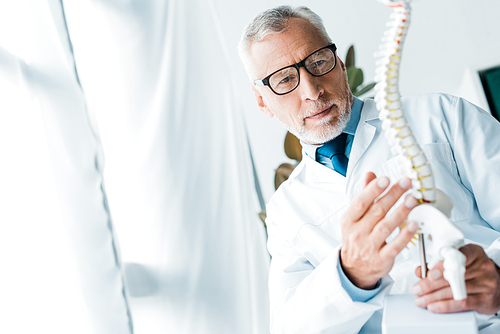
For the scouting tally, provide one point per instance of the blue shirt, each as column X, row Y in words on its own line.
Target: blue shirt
column 356, row 293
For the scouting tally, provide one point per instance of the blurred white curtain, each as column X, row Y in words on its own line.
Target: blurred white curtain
column 37, row 68
column 151, row 85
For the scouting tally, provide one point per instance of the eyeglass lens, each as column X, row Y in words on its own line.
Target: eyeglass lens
column 317, row 64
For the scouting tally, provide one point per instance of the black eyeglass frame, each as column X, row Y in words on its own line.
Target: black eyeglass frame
column 265, row 81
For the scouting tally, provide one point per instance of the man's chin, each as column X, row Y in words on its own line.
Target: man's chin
column 319, row 137
column 323, row 133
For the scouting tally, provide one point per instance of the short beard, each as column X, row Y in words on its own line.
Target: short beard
column 326, row 131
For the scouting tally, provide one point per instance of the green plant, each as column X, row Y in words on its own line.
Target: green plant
column 355, row 75
column 293, row 150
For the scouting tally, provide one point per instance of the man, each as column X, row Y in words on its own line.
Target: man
column 328, row 224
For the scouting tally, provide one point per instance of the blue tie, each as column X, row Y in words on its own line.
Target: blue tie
column 334, row 150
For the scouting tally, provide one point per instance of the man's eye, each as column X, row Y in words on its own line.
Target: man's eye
column 318, row 63
column 287, row 80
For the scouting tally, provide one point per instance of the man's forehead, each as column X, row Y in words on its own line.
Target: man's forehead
column 274, row 54
column 291, row 46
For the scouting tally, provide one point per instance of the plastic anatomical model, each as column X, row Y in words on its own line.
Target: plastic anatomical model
column 432, row 215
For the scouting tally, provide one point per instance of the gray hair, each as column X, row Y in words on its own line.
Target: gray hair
column 273, row 21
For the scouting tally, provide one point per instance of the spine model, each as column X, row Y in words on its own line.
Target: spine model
column 433, row 214
column 387, row 98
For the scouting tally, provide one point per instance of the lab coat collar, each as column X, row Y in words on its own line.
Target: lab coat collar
column 364, row 133
column 369, row 111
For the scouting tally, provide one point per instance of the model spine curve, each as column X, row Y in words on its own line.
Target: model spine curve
column 391, row 113
column 433, row 215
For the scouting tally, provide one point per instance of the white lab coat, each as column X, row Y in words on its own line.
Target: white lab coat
column 462, row 143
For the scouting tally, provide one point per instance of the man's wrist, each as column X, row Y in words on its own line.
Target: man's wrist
column 361, row 284
column 357, row 294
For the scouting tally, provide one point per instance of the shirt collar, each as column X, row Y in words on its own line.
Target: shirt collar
column 350, row 128
column 352, row 125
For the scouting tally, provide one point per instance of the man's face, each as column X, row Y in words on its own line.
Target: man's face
column 319, row 108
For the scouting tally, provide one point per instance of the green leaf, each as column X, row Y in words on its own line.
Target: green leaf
column 282, row 174
column 349, row 57
column 365, row 89
column 354, row 77
column 293, row 149
column 263, row 216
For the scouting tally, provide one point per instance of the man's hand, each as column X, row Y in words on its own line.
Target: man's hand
column 365, row 256
column 482, row 280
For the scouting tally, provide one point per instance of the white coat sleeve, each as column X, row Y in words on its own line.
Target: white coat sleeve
column 308, row 299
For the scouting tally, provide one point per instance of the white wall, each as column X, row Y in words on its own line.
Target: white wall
column 447, row 40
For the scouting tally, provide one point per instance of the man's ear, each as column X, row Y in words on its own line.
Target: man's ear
column 261, row 103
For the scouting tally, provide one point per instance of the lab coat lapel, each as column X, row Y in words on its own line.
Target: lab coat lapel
column 322, row 191
column 317, row 238
column 364, row 135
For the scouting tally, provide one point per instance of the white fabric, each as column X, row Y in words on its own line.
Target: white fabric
column 463, row 147
column 39, row 285
column 156, row 80
column 45, row 72
column 178, row 173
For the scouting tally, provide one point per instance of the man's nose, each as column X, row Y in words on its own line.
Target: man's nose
column 311, row 87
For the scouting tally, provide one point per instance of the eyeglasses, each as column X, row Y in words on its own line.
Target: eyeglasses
column 285, row 80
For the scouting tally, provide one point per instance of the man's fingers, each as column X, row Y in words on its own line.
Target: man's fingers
column 438, row 295
column 382, row 229
column 366, row 197
column 482, row 284
column 392, row 249
column 418, row 272
column 369, row 177
column 449, row 306
column 436, row 273
column 384, row 204
column 433, row 282
column 471, row 252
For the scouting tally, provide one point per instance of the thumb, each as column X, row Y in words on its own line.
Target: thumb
column 369, row 177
